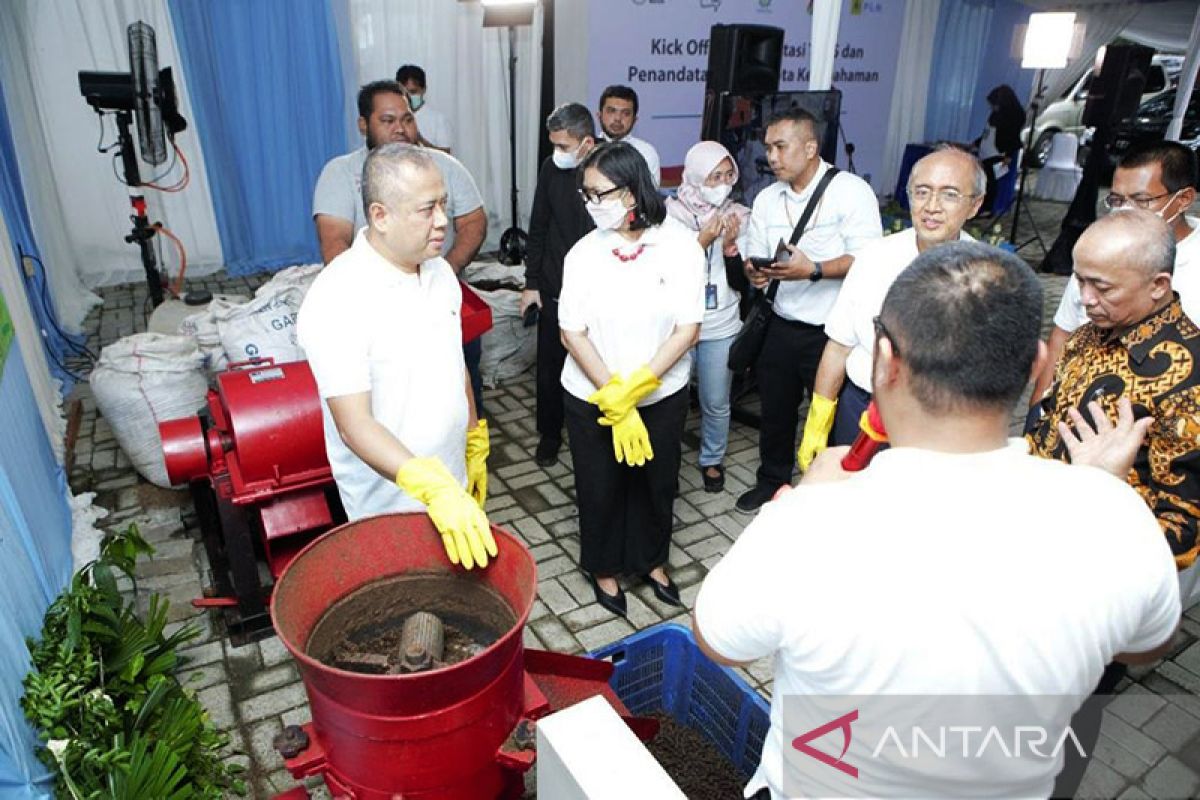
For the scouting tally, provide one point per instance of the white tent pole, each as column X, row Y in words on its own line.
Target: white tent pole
column 1187, row 80
column 827, row 15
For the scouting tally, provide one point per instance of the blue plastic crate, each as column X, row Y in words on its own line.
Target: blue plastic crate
column 662, row 669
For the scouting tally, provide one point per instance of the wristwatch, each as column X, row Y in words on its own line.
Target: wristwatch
column 816, row 273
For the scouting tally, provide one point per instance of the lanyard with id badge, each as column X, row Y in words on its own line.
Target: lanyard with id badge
column 710, row 288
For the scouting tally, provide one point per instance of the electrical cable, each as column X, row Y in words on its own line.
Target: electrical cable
column 81, row 350
column 180, row 184
column 158, row 226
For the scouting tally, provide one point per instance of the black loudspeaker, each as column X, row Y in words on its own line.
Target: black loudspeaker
column 744, row 59
column 1116, row 90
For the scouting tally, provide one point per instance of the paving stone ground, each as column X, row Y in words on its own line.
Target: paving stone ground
column 1150, row 744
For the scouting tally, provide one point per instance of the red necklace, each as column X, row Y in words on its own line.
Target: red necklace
column 624, row 258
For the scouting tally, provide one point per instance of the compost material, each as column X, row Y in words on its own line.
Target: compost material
column 693, row 762
column 362, row 632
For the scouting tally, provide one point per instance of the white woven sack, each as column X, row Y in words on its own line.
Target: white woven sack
column 265, row 327
column 302, row 276
column 142, row 380
column 509, row 348
column 203, row 328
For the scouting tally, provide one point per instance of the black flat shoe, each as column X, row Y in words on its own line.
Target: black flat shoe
column 713, row 485
column 752, row 500
column 547, row 452
column 613, row 603
column 669, row 594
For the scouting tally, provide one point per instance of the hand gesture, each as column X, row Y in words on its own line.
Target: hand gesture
column 1110, row 447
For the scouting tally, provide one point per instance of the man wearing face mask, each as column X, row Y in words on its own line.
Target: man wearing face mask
column 1158, row 177
column 435, row 128
column 558, row 220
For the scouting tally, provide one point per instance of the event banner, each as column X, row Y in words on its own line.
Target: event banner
column 660, row 48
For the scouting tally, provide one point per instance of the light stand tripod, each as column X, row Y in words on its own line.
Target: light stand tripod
column 142, row 231
column 1026, row 157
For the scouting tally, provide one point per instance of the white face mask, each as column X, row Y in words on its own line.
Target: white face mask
column 715, row 195
column 607, row 214
column 564, row 160
column 1159, row 213
column 415, row 101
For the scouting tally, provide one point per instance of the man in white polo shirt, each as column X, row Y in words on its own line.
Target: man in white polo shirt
column 1158, row 177
column 845, row 220
column 618, row 114
column 380, row 327
column 945, row 190
column 912, row 578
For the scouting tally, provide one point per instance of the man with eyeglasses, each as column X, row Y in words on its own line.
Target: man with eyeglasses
column 1158, row 177
column 844, row 220
column 1135, row 361
column 945, row 190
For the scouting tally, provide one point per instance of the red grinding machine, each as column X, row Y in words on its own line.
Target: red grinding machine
column 260, row 480
column 463, row 731
column 255, row 461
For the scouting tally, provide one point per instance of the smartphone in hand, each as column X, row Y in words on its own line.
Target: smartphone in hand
column 759, row 263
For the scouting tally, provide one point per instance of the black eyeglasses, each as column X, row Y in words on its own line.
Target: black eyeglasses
column 595, row 197
column 1114, row 201
column 881, row 330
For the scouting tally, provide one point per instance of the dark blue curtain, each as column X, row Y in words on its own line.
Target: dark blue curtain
column 56, row 343
column 265, row 81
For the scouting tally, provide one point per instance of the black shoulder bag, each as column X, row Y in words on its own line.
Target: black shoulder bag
column 749, row 342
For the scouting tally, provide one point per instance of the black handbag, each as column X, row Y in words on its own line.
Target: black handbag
column 749, row 342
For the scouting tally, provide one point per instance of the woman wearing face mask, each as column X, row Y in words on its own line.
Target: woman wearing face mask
column 702, row 206
column 630, row 311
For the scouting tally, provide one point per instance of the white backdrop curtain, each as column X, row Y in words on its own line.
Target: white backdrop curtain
column 1103, row 23
column 906, row 120
column 29, row 342
column 826, row 16
column 1187, row 80
column 79, row 208
column 466, row 67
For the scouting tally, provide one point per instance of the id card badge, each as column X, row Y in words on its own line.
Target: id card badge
column 710, row 297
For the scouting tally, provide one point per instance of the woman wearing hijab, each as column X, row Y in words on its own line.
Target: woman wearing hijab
column 630, row 310
column 702, row 205
column 1000, row 143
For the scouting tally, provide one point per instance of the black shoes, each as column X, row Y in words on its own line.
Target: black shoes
column 713, row 485
column 668, row 594
column 547, row 452
column 614, row 603
column 753, row 500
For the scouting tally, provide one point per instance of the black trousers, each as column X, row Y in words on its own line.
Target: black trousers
column 786, row 369
column 852, row 402
column 551, row 355
column 472, row 353
column 625, row 513
column 1086, row 725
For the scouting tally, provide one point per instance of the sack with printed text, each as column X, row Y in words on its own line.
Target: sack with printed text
column 265, row 327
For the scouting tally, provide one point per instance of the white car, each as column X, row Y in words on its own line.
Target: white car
column 1066, row 114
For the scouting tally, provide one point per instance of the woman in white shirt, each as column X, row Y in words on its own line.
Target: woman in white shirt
column 630, row 311
column 703, row 207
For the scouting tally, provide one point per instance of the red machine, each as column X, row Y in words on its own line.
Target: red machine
column 262, row 484
column 462, row 732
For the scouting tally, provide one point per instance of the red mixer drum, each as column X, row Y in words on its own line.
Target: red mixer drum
column 420, row 736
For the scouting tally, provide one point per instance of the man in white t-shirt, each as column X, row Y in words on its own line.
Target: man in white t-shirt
column 380, row 328
column 938, row 584
column 945, row 190
column 1158, row 177
column 618, row 114
column 845, row 220
column 435, row 129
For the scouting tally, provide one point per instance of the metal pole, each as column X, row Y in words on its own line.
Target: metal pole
column 1027, row 155
column 512, row 116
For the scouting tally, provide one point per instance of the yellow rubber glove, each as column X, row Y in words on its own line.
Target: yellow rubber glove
column 631, row 440
column 464, row 527
column 621, row 395
column 478, row 448
column 816, row 429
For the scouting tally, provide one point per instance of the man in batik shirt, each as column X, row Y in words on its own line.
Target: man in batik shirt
column 1139, row 344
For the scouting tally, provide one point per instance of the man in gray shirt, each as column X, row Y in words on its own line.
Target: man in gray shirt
column 384, row 116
